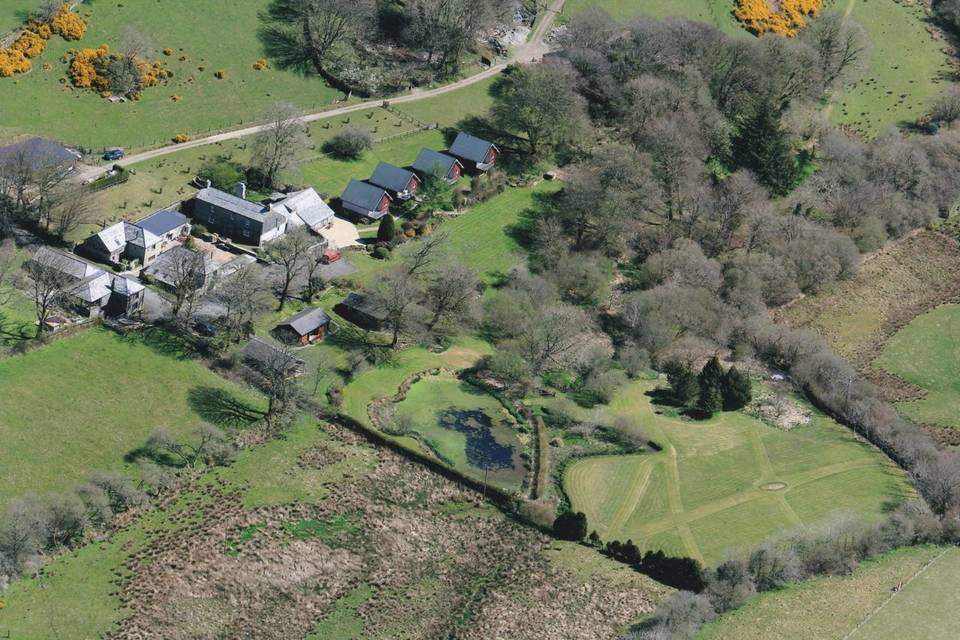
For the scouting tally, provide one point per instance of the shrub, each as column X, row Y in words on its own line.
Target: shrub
column 220, row 75
column 387, row 231
column 760, row 16
column 85, row 68
column 180, row 138
column 168, row 51
column 681, row 614
column 570, row 526
column 222, row 173
column 261, row 64
column 67, row 24
column 13, row 61
column 381, row 253
column 349, row 144
column 30, row 43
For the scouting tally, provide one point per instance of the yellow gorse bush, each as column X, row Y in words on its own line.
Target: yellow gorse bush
column 761, row 16
column 33, row 40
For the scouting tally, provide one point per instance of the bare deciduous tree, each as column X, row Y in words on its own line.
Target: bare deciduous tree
column 187, row 279
column 290, row 253
column 243, row 295
column 74, row 206
column 841, row 46
column 279, row 147
column 400, row 294
column 211, row 447
column 48, row 283
column 453, row 296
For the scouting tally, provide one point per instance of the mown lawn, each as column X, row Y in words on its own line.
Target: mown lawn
column 927, row 353
column 83, row 402
column 204, row 31
column 709, row 489
column 830, row 608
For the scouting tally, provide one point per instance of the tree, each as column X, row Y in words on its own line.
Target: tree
column 445, row 28
column 765, row 148
column 243, row 296
column 275, row 376
column 840, row 43
column 452, row 296
column 945, row 107
column 48, row 283
column 735, row 388
column 125, row 75
column 315, row 282
column 135, row 43
column 387, row 231
column 280, row 145
column 538, row 105
column 570, row 525
column 290, row 253
column 401, row 295
column 349, row 144
column 188, row 276
column 682, row 381
column 74, row 208
column 436, row 193
column 212, row 446
column 9, row 265
column 222, row 173
column 310, row 34
column 422, row 257
column 710, row 381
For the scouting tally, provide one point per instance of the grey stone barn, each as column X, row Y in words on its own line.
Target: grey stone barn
column 92, row 292
column 236, row 218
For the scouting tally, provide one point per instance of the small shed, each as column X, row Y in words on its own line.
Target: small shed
column 402, row 184
column 368, row 201
column 263, row 356
column 363, row 310
column 428, row 160
column 474, row 152
column 308, row 326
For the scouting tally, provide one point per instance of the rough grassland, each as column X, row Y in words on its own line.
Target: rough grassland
column 320, row 535
column 927, row 353
column 908, row 66
column 83, row 402
column 830, row 608
column 208, row 33
column 706, row 490
column 716, row 12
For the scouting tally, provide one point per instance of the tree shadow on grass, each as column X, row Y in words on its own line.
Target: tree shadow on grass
column 222, row 408
column 164, row 342
column 13, row 333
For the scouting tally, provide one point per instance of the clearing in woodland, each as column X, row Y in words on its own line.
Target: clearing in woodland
column 865, row 604
column 726, row 483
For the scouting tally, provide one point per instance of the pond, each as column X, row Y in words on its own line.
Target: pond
column 465, row 427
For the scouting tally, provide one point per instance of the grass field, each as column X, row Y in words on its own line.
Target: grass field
column 712, row 487
column 927, row 353
column 200, row 30
column 92, row 398
column 424, row 405
column 831, row 608
column 13, row 13
column 716, row 12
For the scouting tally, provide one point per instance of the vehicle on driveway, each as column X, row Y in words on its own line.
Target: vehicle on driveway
column 205, row 328
column 115, row 153
column 330, row 256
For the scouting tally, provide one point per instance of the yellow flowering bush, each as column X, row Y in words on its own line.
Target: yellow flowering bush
column 86, row 66
column 13, row 61
column 67, row 24
column 180, row 138
column 760, row 16
column 30, row 43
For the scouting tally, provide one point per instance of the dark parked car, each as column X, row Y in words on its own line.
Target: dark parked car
column 113, row 154
column 205, row 328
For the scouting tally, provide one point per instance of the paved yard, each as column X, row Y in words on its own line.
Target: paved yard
column 343, row 233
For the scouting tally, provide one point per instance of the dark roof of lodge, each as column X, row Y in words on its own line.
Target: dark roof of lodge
column 162, row 222
column 39, row 152
column 370, row 305
column 427, row 159
column 470, row 147
column 391, row 177
column 307, row 321
column 232, row 203
column 363, row 195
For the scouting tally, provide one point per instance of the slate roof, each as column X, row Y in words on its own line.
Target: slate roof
column 307, row 321
column 72, row 266
column 232, row 203
column 39, row 152
column 92, row 284
column 162, row 222
column 370, row 305
column 165, row 268
column 126, row 286
column 427, row 159
column 391, row 177
column 309, row 207
column 114, row 237
column 363, row 195
column 470, row 147
column 258, row 353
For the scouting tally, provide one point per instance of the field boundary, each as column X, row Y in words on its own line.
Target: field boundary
column 896, row 593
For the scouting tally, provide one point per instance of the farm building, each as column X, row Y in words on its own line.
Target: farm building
column 365, row 311
column 93, row 292
column 264, row 357
column 401, row 184
column 428, row 160
column 304, row 208
column 308, row 326
column 474, row 152
column 366, row 200
column 141, row 241
column 38, row 154
column 237, row 218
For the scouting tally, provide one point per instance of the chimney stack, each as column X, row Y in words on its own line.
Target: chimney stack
column 241, row 191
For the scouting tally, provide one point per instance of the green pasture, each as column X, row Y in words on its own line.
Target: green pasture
column 716, row 12
column 833, row 607
column 712, row 488
column 429, row 398
column 203, row 31
column 83, row 402
column 13, row 14
column 927, row 353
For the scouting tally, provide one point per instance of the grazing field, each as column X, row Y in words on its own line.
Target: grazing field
column 716, row 12
column 466, row 427
column 727, row 482
column 209, row 38
column 13, row 13
column 83, row 402
column 833, row 607
column 268, row 543
column 926, row 353
column 907, row 67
